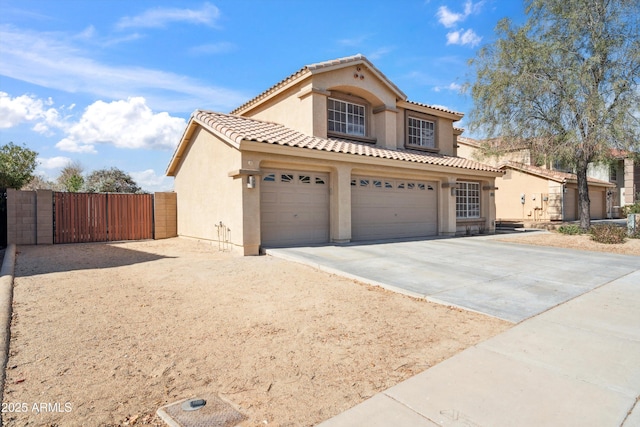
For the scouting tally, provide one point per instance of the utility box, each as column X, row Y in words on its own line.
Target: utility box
column 633, row 224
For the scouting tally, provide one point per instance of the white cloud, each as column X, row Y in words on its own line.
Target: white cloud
column 449, row 18
column 212, row 48
column 123, row 124
column 150, row 181
column 53, row 60
column 28, row 108
column 379, row 53
column 353, row 41
column 161, row 16
column 53, row 162
column 14, row 111
column 462, row 37
column 451, row 86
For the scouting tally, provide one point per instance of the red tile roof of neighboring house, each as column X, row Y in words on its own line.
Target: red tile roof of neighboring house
column 359, row 58
column 237, row 129
column 552, row 174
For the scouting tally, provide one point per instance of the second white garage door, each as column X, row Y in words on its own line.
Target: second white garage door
column 390, row 208
column 294, row 208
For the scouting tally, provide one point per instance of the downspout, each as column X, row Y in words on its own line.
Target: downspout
column 562, row 206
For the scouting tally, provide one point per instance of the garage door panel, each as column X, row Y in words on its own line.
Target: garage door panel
column 294, row 208
column 385, row 209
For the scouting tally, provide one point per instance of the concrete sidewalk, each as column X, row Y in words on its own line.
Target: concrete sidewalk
column 577, row 364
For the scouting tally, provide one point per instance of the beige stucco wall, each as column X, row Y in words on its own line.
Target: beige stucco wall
column 206, row 195
column 292, row 108
column 341, row 169
column 508, row 197
column 303, row 107
column 631, row 181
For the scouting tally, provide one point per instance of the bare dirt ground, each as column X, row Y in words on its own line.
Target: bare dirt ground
column 582, row 242
column 105, row 334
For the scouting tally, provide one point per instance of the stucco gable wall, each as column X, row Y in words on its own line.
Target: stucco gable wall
column 206, row 194
column 511, row 187
column 369, row 87
column 289, row 109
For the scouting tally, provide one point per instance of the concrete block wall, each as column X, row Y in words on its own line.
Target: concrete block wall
column 165, row 215
column 30, row 216
column 21, row 217
column 44, row 217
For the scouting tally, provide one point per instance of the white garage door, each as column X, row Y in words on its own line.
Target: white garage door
column 390, row 208
column 294, row 208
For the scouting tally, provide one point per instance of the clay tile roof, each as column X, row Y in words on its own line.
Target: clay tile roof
column 237, row 128
column 434, row 107
column 557, row 176
column 317, row 67
column 469, row 141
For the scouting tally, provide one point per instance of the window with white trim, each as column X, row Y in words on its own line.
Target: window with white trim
column 346, row 117
column 421, row 133
column 468, row 200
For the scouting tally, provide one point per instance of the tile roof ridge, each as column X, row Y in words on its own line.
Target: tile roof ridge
column 239, row 117
column 336, row 61
column 319, row 66
column 446, row 110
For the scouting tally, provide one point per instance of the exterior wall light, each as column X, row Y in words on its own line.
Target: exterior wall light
column 251, row 181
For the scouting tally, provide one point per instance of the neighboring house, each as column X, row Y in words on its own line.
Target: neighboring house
column 534, row 193
column 333, row 153
column 624, row 172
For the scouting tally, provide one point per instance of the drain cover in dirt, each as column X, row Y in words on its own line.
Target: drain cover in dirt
column 202, row 411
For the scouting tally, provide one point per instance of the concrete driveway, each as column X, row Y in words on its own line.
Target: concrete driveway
column 506, row 280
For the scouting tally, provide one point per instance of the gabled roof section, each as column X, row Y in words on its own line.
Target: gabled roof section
column 469, row 141
column 320, row 67
column 437, row 108
column 235, row 129
column 557, row 176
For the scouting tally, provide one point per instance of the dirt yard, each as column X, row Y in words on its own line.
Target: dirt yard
column 582, row 242
column 105, row 334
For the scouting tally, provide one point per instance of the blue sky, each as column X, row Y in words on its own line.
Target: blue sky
column 113, row 82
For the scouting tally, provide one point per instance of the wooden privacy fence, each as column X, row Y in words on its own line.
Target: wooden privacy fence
column 102, row 217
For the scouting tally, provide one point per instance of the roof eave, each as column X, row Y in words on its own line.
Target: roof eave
column 193, row 124
column 315, row 154
column 181, row 147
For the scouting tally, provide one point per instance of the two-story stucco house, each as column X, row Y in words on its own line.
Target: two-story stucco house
column 333, row 153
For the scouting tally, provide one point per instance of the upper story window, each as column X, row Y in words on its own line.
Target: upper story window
column 561, row 166
column 346, row 117
column 613, row 173
column 421, row 133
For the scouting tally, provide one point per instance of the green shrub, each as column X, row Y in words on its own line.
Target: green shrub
column 631, row 209
column 608, row 233
column 570, row 229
